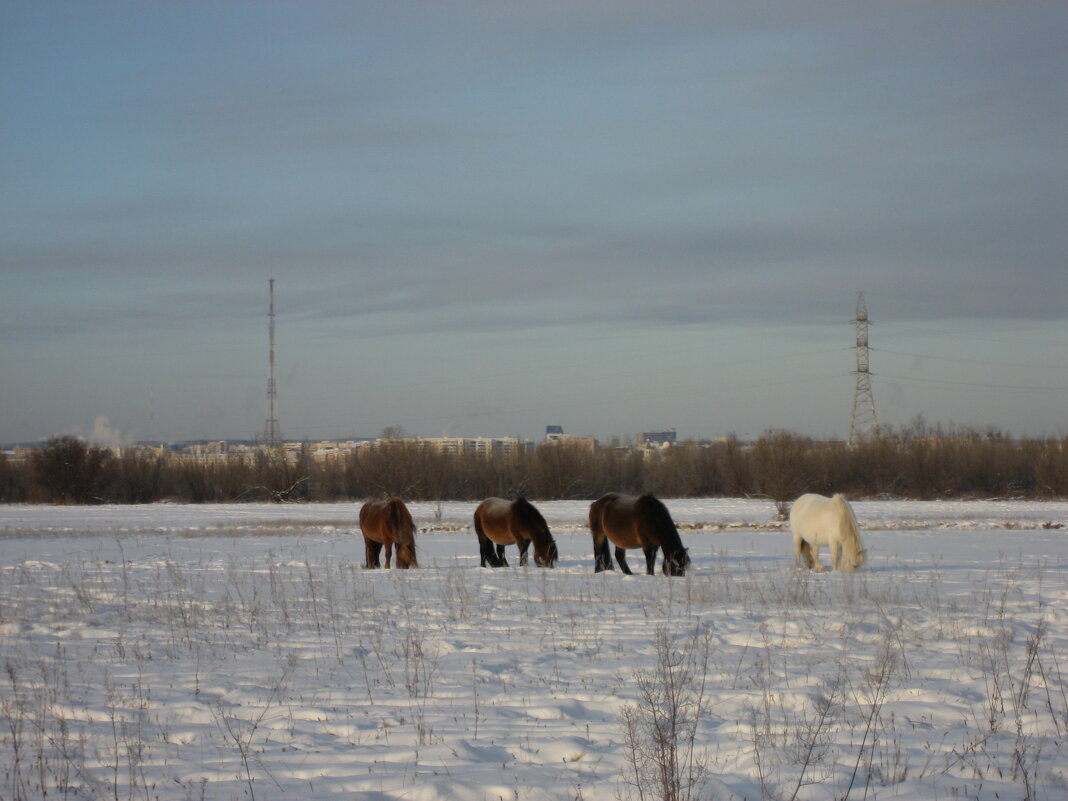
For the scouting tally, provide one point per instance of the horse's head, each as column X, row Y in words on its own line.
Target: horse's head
column 862, row 557
column 406, row 555
column 546, row 554
column 676, row 562
column 532, row 522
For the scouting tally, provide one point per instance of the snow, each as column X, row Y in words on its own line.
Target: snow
column 241, row 651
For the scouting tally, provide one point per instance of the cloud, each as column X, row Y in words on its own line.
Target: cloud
column 479, row 168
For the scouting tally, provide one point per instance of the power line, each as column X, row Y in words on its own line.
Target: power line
column 972, row 361
column 973, row 335
column 1016, row 387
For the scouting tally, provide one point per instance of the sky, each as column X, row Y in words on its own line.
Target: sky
column 483, row 218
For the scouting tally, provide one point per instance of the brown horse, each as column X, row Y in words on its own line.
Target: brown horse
column 388, row 523
column 631, row 522
column 500, row 522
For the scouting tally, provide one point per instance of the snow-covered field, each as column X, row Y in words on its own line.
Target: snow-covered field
column 241, row 651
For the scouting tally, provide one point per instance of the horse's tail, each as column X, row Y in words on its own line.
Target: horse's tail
column 403, row 527
column 602, row 557
column 852, row 547
column 659, row 528
column 486, row 550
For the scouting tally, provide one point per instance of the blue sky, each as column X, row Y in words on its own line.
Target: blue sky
column 486, row 217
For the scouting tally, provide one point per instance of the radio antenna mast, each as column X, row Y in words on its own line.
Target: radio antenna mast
column 271, row 437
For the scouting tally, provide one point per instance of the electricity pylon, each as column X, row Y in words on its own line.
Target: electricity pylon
column 863, row 423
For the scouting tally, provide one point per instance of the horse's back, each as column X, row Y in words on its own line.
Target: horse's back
column 806, row 508
column 493, row 509
column 494, row 516
column 813, row 515
column 372, row 518
column 616, row 518
column 371, row 512
column 598, row 507
column 388, row 515
column 596, row 512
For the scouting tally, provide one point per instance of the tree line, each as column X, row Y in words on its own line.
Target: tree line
column 918, row 462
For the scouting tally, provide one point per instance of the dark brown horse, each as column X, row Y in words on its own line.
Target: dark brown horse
column 500, row 522
column 388, row 523
column 631, row 522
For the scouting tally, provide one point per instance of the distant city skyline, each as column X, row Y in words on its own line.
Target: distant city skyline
column 484, row 218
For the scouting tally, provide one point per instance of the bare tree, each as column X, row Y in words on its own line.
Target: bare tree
column 660, row 730
column 69, row 471
column 780, row 467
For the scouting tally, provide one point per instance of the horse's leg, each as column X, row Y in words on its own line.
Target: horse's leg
column 373, row 550
column 501, row 561
column 602, row 559
column 650, row 560
column 814, row 550
column 621, row 558
column 485, row 551
column 800, row 552
column 389, row 553
column 840, row 561
column 524, row 545
column 485, row 547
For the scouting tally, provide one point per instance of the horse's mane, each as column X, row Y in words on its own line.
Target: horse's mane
column 530, row 517
column 545, row 551
column 852, row 543
column 654, row 514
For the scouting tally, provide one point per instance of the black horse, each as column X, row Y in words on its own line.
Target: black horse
column 500, row 522
column 631, row 522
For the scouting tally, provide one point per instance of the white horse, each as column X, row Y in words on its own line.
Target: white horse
column 815, row 521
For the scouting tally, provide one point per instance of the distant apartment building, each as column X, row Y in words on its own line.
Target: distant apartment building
column 461, row 446
column 667, row 437
column 327, row 449
column 324, row 451
column 211, row 451
column 556, row 435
